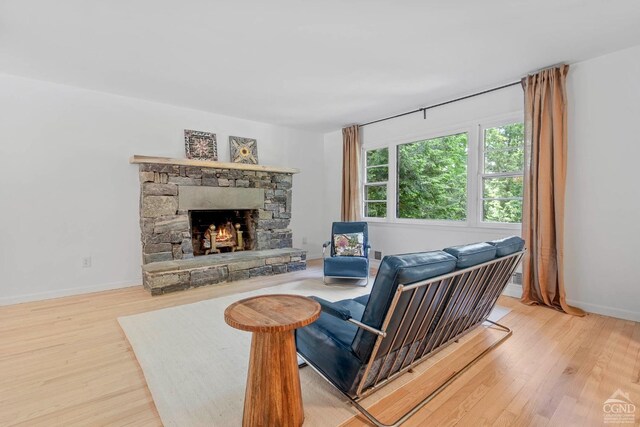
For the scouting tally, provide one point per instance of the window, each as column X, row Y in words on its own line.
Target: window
column 432, row 178
column 502, row 173
column 465, row 176
column 375, row 187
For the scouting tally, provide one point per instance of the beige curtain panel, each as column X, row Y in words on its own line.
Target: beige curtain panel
column 544, row 190
column 350, row 173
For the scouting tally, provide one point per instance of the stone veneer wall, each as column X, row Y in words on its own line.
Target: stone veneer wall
column 165, row 229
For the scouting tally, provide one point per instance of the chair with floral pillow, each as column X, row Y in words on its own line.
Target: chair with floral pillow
column 349, row 254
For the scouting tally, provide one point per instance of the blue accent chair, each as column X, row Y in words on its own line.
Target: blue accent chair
column 346, row 267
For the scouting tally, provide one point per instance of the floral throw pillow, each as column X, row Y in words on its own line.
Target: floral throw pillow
column 349, row 244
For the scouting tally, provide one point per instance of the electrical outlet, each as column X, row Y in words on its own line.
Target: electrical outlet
column 377, row 254
column 86, row 262
column 304, row 240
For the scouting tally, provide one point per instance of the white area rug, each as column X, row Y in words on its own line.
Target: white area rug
column 196, row 365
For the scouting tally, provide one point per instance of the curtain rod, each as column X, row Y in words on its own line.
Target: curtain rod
column 424, row 109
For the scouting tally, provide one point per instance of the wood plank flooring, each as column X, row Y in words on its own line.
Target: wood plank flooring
column 66, row 362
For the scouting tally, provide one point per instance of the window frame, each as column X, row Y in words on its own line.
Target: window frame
column 392, row 178
column 475, row 162
column 366, row 184
column 481, row 175
column 441, row 222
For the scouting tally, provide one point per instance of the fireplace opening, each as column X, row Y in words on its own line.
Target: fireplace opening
column 218, row 231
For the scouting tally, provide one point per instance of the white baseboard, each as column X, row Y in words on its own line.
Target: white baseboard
column 516, row 291
column 513, row 290
column 58, row 293
column 604, row 310
column 313, row 254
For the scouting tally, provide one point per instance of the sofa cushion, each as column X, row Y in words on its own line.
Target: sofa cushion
column 339, row 330
column 507, row 246
column 346, row 266
column 364, row 299
column 394, row 270
column 327, row 343
column 472, row 254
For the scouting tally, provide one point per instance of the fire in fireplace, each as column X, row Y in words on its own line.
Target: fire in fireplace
column 217, row 231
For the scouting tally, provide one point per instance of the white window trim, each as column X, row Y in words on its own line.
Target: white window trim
column 482, row 126
column 364, row 184
column 475, row 153
column 437, row 222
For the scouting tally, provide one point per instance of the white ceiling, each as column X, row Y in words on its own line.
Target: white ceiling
column 313, row 65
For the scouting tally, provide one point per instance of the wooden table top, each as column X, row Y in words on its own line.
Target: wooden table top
column 272, row 313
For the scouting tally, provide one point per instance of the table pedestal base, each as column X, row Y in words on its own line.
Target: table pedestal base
column 273, row 396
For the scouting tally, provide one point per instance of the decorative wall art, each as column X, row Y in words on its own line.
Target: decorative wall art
column 243, row 150
column 200, row 145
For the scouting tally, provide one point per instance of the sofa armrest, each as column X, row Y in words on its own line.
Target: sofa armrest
column 344, row 314
column 333, row 309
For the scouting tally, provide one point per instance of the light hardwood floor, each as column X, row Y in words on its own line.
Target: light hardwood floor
column 66, row 362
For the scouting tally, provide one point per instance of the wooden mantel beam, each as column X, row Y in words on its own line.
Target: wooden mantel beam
column 137, row 159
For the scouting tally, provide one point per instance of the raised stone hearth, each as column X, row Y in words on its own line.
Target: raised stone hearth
column 168, row 276
column 253, row 200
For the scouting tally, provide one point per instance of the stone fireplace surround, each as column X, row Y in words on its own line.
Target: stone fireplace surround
column 170, row 188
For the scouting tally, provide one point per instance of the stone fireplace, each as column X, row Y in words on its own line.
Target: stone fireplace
column 210, row 222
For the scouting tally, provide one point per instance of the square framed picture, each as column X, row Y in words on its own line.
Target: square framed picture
column 243, row 150
column 200, row 145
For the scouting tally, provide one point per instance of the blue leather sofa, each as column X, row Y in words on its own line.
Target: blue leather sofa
column 418, row 303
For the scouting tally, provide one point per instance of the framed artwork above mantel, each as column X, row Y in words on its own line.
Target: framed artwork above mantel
column 243, row 150
column 199, row 145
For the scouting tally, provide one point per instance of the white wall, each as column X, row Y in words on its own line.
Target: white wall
column 602, row 221
column 68, row 191
column 333, row 179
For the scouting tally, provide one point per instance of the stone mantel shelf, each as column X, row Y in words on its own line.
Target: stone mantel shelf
column 137, row 159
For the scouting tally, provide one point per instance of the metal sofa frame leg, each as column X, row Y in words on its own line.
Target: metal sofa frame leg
column 431, row 395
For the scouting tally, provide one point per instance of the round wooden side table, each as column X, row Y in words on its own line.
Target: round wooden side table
column 273, row 396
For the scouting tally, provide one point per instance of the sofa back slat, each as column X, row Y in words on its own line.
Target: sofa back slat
column 433, row 313
column 464, row 304
column 416, row 311
column 488, row 300
column 393, row 271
